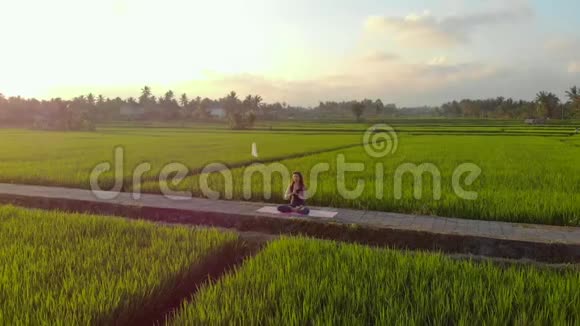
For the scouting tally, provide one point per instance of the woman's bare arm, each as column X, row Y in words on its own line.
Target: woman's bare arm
column 288, row 192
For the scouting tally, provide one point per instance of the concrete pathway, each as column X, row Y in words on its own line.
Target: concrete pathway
column 501, row 239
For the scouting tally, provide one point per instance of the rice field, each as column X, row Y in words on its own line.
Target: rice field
column 529, row 174
column 298, row 281
column 75, row 269
column 71, row 269
column 67, row 158
column 527, row 179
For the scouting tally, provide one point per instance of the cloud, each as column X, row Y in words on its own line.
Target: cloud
column 564, row 51
column 437, row 61
column 563, row 48
column 393, row 81
column 413, row 30
column 407, row 84
column 426, row 31
column 574, row 67
column 380, row 56
column 444, row 74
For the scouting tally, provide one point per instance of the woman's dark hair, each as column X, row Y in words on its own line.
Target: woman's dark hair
column 300, row 180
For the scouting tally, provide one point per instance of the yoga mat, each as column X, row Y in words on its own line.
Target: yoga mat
column 312, row 213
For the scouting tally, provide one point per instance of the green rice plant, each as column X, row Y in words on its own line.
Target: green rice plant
column 523, row 179
column 67, row 158
column 72, row 269
column 299, row 281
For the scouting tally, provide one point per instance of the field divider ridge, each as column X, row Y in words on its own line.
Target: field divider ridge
column 197, row 171
column 211, row 269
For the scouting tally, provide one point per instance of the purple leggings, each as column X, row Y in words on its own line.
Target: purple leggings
column 287, row 209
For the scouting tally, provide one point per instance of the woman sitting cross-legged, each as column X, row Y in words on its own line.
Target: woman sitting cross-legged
column 296, row 192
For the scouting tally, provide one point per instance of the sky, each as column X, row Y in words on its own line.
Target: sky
column 412, row 52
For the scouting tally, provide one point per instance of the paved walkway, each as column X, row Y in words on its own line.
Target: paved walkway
column 539, row 242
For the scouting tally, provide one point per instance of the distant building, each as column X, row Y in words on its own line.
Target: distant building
column 217, row 112
column 48, row 119
column 540, row 121
column 42, row 121
column 132, row 111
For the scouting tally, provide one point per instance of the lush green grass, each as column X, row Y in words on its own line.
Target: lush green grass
column 66, row 158
column 297, row 281
column 69, row 269
column 523, row 179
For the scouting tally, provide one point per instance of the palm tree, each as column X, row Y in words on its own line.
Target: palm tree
column 145, row 95
column 257, row 103
column 248, row 103
column 547, row 103
column 379, row 106
column 234, row 109
column 91, row 99
column 169, row 96
column 170, row 106
column 183, row 100
column 573, row 94
column 232, row 96
column 80, row 99
column 146, row 90
column 251, row 103
column 574, row 99
column 100, row 100
column 202, row 106
column 357, row 109
column 231, row 103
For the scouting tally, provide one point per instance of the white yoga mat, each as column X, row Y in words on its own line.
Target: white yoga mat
column 312, row 213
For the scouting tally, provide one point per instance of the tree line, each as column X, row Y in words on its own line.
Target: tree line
column 84, row 111
column 366, row 107
column 546, row 105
